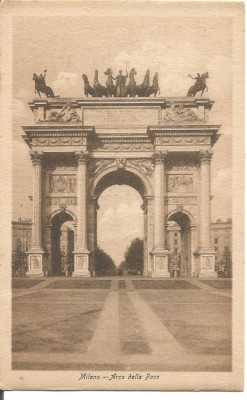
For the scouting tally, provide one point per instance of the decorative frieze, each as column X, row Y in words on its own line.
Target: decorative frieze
column 64, row 168
column 182, row 140
column 102, row 145
column 180, row 183
column 181, row 200
column 187, row 163
column 62, row 183
column 57, row 201
column 58, row 141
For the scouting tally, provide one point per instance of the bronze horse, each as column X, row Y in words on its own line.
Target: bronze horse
column 87, row 87
column 142, row 90
column 200, row 84
column 41, row 87
column 100, row 90
column 111, row 88
column 154, row 88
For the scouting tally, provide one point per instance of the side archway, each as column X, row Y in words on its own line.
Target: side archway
column 58, row 212
column 62, row 244
column 180, row 241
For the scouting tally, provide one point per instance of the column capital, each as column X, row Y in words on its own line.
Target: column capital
column 81, row 157
column 36, row 157
column 159, row 157
column 205, row 156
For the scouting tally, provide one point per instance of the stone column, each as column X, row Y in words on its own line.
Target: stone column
column 47, row 248
column 92, row 231
column 207, row 257
column 35, row 254
column 160, row 255
column 149, row 234
column 81, row 253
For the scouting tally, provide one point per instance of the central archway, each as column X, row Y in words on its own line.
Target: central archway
column 127, row 177
column 120, row 220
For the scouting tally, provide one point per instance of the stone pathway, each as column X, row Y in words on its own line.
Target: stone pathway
column 104, row 347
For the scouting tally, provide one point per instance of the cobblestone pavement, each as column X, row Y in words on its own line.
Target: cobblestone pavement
column 122, row 323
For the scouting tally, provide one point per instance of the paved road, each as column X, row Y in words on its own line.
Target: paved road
column 122, row 324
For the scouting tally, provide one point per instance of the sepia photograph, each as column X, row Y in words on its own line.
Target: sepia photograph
column 122, row 168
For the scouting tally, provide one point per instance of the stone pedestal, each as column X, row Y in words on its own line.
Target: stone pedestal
column 35, row 254
column 160, row 264
column 207, row 261
column 35, row 263
column 81, row 264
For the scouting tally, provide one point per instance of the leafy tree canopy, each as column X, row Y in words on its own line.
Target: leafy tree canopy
column 134, row 255
column 104, row 264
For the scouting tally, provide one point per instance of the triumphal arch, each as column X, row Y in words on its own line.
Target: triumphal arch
column 159, row 146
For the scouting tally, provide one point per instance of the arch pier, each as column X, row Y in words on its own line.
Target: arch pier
column 159, row 146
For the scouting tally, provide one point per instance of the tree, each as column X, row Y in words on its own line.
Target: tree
column 104, row 264
column 122, row 268
column 134, row 256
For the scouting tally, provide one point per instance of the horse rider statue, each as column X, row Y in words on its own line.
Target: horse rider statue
column 42, row 79
column 199, row 85
column 41, row 87
column 120, row 83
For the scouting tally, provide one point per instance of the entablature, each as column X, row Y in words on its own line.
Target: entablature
column 121, row 113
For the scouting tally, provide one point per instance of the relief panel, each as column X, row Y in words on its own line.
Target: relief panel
column 62, row 183
column 180, row 183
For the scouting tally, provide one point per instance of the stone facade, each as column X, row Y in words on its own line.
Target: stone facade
column 221, row 237
column 165, row 157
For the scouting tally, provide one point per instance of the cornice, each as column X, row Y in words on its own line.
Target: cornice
column 58, row 130
column 178, row 129
column 184, row 130
column 162, row 102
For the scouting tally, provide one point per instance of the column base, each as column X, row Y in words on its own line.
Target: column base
column 207, row 263
column 81, row 264
column 160, row 264
column 35, row 262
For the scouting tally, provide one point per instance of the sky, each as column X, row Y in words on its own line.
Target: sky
column 174, row 47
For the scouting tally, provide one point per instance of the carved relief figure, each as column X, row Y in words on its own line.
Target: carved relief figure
column 121, row 162
column 97, row 166
column 180, row 113
column 67, row 114
column 180, row 183
column 62, row 183
column 145, row 166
